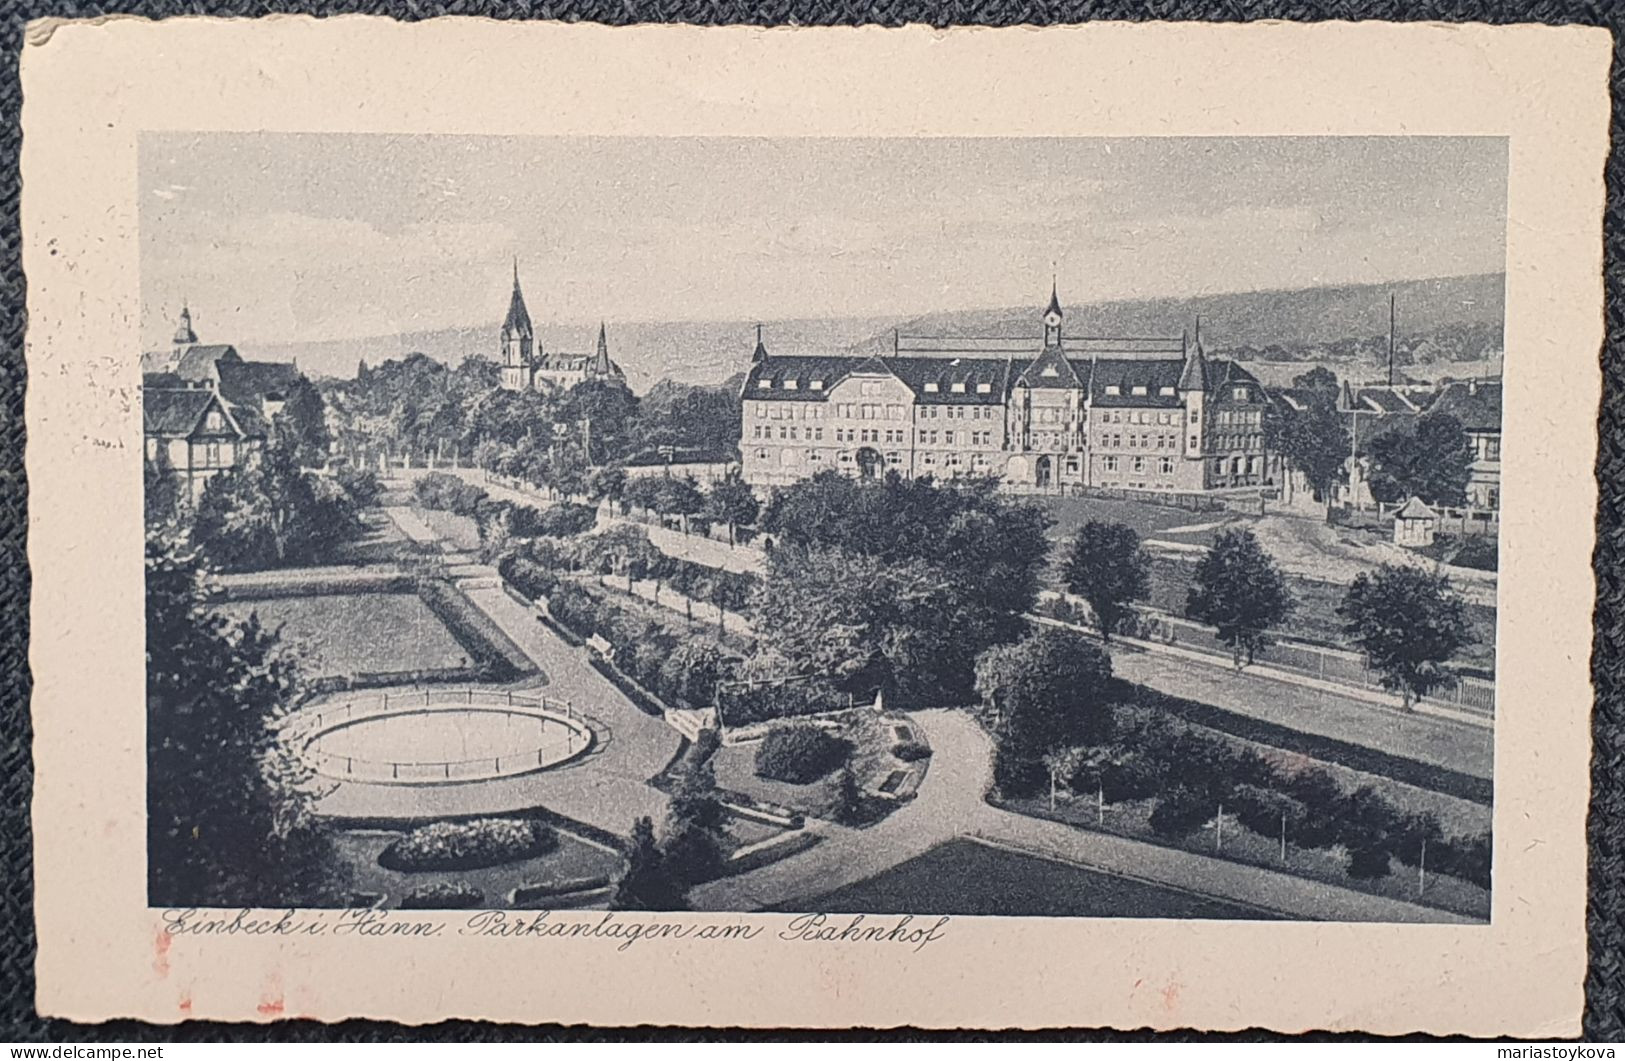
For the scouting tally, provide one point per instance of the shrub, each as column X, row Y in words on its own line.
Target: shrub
column 1180, row 812
column 912, row 751
column 1368, row 859
column 1016, row 775
column 800, row 754
column 1464, row 857
column 443, row 895
column 469, row 845
column 1479, row 553
column 527, row 576
column 441, row 491
column 362, row 485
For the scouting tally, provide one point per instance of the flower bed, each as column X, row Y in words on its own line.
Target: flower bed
column 469, row 845
column 443, row 895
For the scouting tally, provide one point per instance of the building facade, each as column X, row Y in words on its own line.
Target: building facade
column 1053, row 414
column 527, row 366
column 205, row 409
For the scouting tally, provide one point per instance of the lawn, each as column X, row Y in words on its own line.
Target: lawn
column 460, row 531
column 1148, row 520
column 574, row 859
column 350, row 633
column 967, row 878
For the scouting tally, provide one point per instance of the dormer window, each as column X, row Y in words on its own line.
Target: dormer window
column 959, row 388
column 1113, row 389
column 817, row 385
column 1239, row 394
column 764, row 384
column 1166, row 392
column 984, row 388
column 931, row 388
column 1139, row 391
column 790, row 384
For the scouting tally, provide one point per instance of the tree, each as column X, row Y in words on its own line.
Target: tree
column 1321, row 381
column 1046, row 692
column 647, row 884
column 270, row 511
column 302, row 423
column 606, row 482
column 1314, row 440
column 696, row 823
column 1409, row 622
column 1239, row 592
column 850, row 806
column 1432, row 461
column 229, row 805
column 733, row 502
column 1108, row 568
column 676, row 496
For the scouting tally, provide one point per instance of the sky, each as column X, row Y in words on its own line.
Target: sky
column 306, row 237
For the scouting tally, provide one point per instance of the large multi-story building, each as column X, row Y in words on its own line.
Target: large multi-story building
column 527, row 366
column 1058, row 413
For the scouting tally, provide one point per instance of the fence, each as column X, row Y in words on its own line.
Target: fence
column 302, row 729
column 1338, row 666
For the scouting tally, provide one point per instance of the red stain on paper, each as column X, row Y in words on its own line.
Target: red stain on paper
column 271, row 1002
column 185, row 1004
column 160, row 953
column 1170, row 995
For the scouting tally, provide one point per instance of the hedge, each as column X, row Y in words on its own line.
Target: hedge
column 448, row 492
column 493, row 652
column 469, row 844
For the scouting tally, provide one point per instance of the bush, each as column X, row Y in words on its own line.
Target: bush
column 1181, row 812
column 1368, row 859
column 1016, row 775
column 800, row 754
column 527, row 576
column 1479, row 553
column 362, row 486
column 911, row 751
column 438, row 490
column 443, row 895
column 469, row 845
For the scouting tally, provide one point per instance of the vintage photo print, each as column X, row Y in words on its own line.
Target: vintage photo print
column 844, row 551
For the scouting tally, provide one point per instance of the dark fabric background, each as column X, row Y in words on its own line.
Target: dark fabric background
column 1605, row 988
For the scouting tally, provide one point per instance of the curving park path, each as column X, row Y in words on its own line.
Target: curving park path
column 607, row 788
column 949, row 805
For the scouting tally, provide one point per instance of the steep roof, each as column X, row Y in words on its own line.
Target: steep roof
column 1415, row 508
column 517, row 323
column 174, row 413
column 1051, row 369
column 245, row 382
column 198, row 362
column 1158, row 376
column 1193, row 369
column 804, row 371
column 1477, row 406
column 953, row 381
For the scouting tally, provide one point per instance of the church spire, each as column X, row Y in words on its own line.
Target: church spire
column 600, row 364
column 1193, row 377
column 184, row 335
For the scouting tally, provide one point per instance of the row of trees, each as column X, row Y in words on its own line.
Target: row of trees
column 418, row 405
column 1408, row 620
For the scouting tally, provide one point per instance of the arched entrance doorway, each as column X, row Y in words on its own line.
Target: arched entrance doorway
column 1045, row 471
column 869, row 463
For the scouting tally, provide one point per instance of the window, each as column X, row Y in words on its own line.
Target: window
column 871, row 412
column 791, row 384
column 761, row 454
column 958, row 388
column 894, row 412
column 817, row 433
column 872, row 388
column 213, row 458
column 1193, row 442
column 756, row 431
column 214, row 421
column 984, row 388
column 1196, row 415
column 931, row 388
column 784, row 433
column 1166, row 466
column 1238, row 394
column 1072, row 466
column 761, row 409
column 928, row 460
column 1138, row 464
column 1108, row 464
column 764, row 384
column 1113, row 389
column 953, row 460
column 1491, row 451
column 1138, row 390
column 817, row 384
column 947, row 438
column 1166, row 392
column 894, row 458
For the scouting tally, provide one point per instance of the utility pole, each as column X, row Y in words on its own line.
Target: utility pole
column 1391, row 319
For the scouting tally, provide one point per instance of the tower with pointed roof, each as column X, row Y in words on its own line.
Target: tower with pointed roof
column 601, row 364
column 760, row 353
column 518, row 340
column 1193, row 391
column 184, row 335
column 1052, row 318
